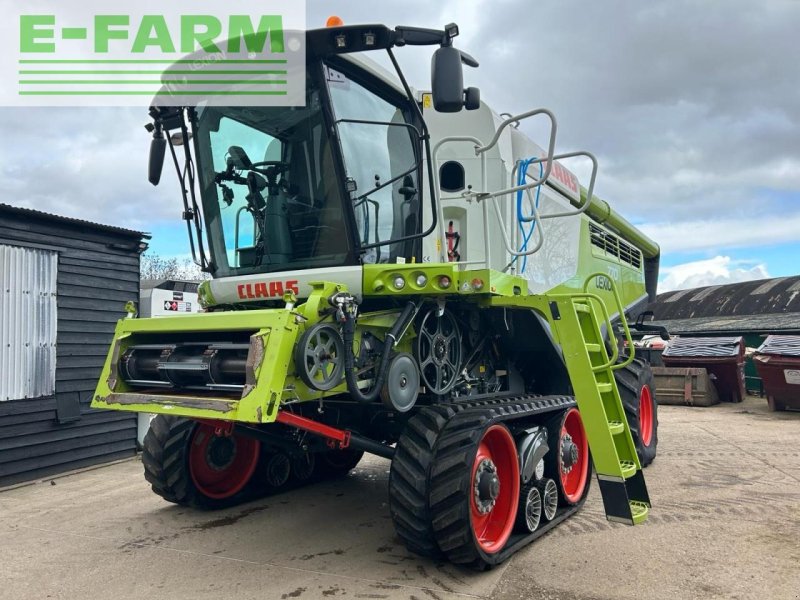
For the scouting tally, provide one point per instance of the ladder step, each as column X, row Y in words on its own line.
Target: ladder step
column 604, row 388
column 594, row 348
column 616, row 427
column 584, row 308
column 639, row 511
column 628, row 468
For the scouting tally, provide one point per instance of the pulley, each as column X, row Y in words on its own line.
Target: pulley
column 319, row 357
column 401, row 389
column 438, row 350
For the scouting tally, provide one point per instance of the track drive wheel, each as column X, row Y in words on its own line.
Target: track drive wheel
column 474, row 489
column 637, row 390
column 568, row 462
column 186, row 463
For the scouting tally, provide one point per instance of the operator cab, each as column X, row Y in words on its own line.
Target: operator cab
column 283, row 190
column 336, row 182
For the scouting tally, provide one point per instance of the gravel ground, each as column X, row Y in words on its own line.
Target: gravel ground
column 725, row 524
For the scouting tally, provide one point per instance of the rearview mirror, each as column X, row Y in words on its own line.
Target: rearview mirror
column 447, row 80
column 158, row 146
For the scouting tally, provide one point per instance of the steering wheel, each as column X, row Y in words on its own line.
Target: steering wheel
column 272, row 170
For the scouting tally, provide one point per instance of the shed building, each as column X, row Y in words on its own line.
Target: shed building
column 752, row 309
column 64, row 284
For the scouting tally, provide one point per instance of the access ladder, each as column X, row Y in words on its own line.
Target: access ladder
column 591, row 370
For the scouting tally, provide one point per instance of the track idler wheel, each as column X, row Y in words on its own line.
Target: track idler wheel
column 549, row 493
column 529, row 512
column 304, row 467
column 277, row 468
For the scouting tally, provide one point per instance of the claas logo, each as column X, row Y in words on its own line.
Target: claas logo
column 267, row 289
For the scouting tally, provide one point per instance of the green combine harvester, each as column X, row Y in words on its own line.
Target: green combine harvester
column 400, row 273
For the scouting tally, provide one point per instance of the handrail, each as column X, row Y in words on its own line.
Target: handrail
column 506, row 238
column 551, row 146
column 481, row 150
column 585, row 205
column 621, row 309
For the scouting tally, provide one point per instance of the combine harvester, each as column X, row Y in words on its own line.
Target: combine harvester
column 395, row 275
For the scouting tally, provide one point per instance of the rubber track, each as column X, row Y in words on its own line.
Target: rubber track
column 446, row 496
column 414, row 456
column 164, row 458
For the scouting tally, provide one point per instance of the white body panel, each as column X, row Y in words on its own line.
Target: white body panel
column 271, row 286
column 557, row 260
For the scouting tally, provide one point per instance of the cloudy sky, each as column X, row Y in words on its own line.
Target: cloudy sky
column 692, row 107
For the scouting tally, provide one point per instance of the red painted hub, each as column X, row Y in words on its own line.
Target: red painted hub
column 645, row 415
column 574, row 475
column 220, row 466
column 494, row 489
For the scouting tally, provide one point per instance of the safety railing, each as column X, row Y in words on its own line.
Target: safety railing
column 481, row 151
column 483, row 194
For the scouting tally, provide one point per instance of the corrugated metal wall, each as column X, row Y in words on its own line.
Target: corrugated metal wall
column 98, row 271
column 27, row 322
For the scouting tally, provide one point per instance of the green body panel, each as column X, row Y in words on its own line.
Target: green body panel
column 628, row 280
column 272, row 338
column 600, row 210
column 378, row 281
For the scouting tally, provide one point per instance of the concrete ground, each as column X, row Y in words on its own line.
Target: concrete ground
column 725, row 524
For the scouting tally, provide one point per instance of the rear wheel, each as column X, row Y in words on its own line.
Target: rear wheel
column 637, row 390
column 186, row 463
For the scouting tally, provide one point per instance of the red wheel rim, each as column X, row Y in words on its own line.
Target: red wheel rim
column 492, row 527
column 221, row 466
column 645, row 415
column 573, row 480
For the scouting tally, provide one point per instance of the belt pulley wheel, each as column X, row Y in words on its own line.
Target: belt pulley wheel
column 402, row 383
column 439, row 351
column 319, row 357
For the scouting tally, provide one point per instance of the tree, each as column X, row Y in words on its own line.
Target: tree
column 153, row 266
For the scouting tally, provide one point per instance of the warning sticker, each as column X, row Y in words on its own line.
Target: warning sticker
column 177, row 306
column 792, row 376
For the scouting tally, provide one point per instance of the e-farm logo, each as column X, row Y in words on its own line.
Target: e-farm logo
column 75, row 56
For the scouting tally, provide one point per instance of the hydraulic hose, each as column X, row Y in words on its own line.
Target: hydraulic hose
column 348, row 335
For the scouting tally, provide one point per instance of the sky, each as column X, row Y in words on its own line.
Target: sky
column 692, row 108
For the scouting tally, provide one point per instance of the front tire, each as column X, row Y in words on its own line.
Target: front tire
column 637, row 390
column 186, row 463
